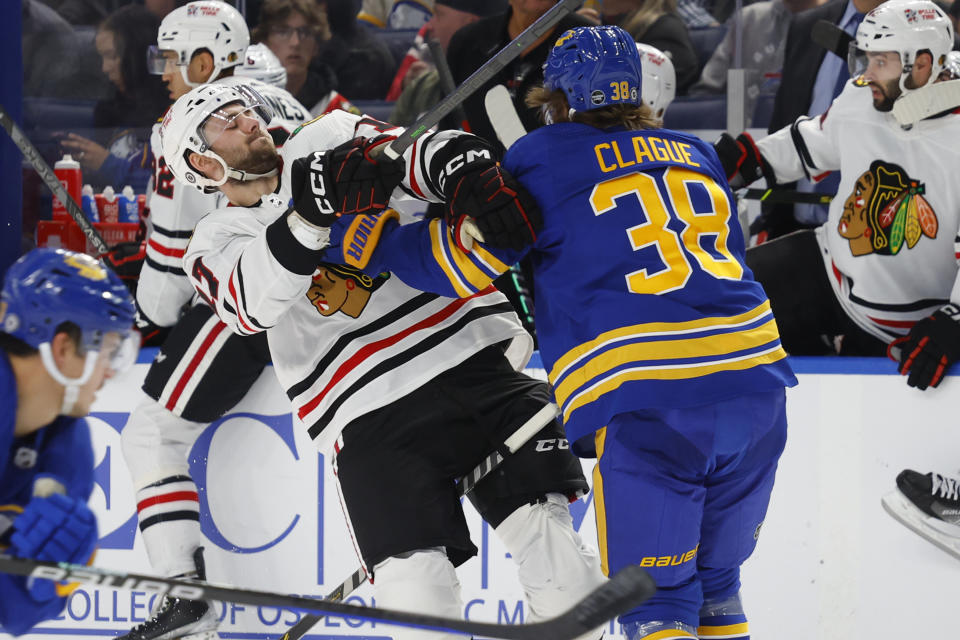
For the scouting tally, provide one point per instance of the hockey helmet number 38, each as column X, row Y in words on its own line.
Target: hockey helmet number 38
column 197, row 119
column 908, row 28
column 595, row 67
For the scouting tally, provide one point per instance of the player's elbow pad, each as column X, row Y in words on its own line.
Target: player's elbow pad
column 742, row 161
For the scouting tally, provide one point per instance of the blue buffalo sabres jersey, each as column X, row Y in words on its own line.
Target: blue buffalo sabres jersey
column 61, row 455
column 643, row 298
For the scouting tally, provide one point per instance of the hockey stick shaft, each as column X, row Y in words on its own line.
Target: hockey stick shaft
column 624, row 591
column 481, row 76
column 444, row 75
column 49, row 178
column 785, row 196
column 519, row 438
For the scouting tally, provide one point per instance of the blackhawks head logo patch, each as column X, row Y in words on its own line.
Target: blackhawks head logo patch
column 341, row 288
column 886, row 211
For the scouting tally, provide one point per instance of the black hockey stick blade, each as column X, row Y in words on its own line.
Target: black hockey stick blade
column 630, row 588
column 832, row 38
column 543, row 24
column 466, row 484
column 49, row 178
column 786, row 196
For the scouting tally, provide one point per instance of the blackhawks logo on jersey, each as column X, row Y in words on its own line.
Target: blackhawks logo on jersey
column 341, row 288
column 886, row 211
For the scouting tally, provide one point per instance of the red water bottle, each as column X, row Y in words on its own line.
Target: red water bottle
column 67, row 171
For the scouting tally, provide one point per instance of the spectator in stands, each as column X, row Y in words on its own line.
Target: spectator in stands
column 139, row 99
column 85, row 12
column 396, row 14
column 54, row 56
column 764, row 34
column 657, row 23
column 161, row 8
column 293, row 30
column 810, row 80
column 363, row 65
column 424, row 91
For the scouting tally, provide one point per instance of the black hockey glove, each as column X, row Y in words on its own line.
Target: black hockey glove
column 742, row 161
column 352, row 178
column 504, row 211
column 932, row 345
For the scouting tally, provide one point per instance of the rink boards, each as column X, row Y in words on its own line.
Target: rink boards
column 829, row 564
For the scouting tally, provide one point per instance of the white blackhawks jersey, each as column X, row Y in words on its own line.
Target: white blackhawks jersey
column 342, row 343
column 176, row 208
column 890, row 244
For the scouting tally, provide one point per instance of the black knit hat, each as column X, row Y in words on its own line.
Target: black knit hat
column 482, row 8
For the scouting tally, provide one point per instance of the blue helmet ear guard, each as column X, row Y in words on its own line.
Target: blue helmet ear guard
column 47, row 287
column 595, row 67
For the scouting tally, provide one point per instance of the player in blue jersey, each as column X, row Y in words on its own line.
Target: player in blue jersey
column 661, row 348
column 65, row 327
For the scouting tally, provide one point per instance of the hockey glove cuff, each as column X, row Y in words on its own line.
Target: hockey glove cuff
column 742, row 161
column 932, row 345
column 505, row 213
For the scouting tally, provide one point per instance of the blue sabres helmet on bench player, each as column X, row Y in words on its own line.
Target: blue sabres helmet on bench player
column 595, row 67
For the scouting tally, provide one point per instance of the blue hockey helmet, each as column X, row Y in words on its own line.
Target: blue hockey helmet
column 595, row 67
column 47, row 287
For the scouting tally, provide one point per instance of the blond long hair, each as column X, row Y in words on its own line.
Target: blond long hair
column 554, row 107
column 639, row 20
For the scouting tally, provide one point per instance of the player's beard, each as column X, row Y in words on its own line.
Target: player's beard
column 891, row 91
column 259, row 156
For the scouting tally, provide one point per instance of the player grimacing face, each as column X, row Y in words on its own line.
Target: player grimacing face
column 241, row 139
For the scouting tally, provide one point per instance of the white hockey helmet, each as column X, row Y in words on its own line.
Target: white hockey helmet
column 260, row 63
column 205, row 24
column 907, row 27
column 196, row 120
column 659, row 86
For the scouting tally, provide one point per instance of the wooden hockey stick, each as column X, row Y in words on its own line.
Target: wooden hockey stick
column 50, row 179
column 627, row 589
column 466, row 484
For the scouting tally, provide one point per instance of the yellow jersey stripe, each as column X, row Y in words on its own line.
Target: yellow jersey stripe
column 470, row 272
column 599, row 507
column 654, row 329
column 437, row 242
column 490, row 261
column 703, row 347
column 676, row 372
column 740, row 629
column 668, row 634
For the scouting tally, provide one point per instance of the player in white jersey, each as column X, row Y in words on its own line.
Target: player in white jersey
column 882, row 271
column 202, row 370
column 409, row 389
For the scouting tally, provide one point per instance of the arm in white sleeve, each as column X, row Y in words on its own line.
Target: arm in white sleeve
column 805, row 149
column 249, row 271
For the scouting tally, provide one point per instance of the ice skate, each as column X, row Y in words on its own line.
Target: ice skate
column 176, row 618
column 929, row 505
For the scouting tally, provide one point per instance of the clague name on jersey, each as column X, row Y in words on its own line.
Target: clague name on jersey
column 643, row 149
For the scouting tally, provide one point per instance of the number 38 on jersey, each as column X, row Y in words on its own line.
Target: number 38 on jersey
column 699, row 203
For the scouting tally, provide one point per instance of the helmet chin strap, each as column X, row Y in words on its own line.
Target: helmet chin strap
column 71, row 385
column 246, row 176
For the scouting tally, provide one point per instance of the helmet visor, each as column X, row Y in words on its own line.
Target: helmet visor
column 232, row 114
column 883, row 66
column 158, row 59
column 118, row 351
